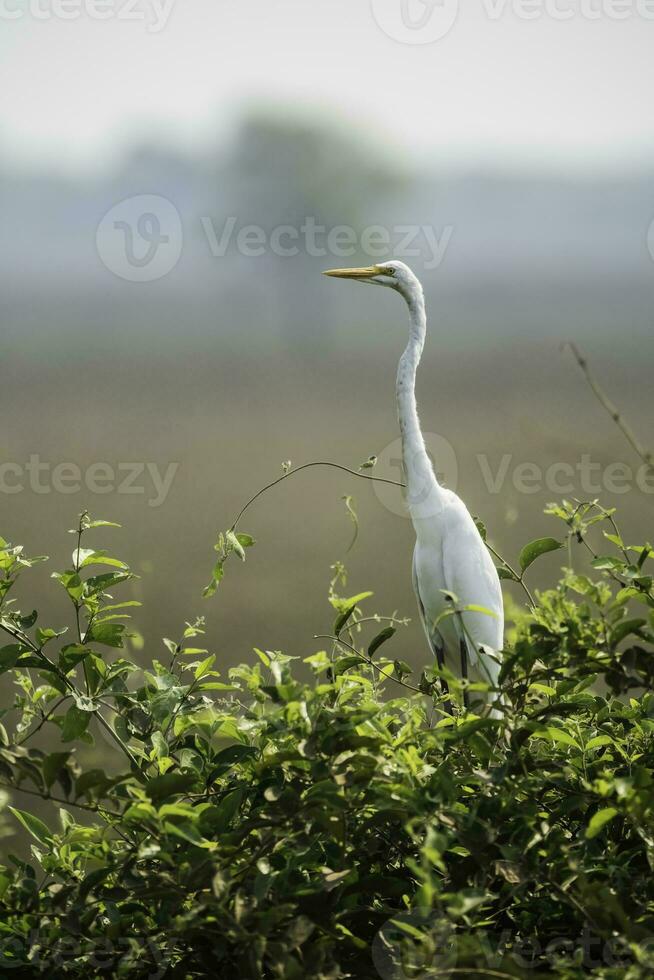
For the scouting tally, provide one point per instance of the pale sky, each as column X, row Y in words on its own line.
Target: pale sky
column 542, row 93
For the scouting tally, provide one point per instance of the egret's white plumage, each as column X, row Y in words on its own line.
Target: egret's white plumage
column 450, row 557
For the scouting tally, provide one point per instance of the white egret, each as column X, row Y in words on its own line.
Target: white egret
column 452, row 568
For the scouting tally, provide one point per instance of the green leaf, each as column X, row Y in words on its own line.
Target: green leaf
column 186, row 832
column 218, row 818
column 625, row 628
column 71, row 582
column 9, row 656
column 229, row 757
column 557, row 735
column 109, row 634
column 99, row 558
column 44, row 636
column 35, row 826
column 341, row 621
column 599, row 820
column 345, row 663
column 80, row 554
column 380, row 639
column 542, row 689
column 608, row 563
column 52, row 766
column 93, row 879
column 473, row 607
column 85, row 703
column 235, row 544
column 159, row 745
column 481, row 527
column 121, row 605
column 349, row 506
column 598, row 741
column 75, row 723
column 532, row 551
column 346, row 607
column 170, row 784
column 90, row 779
column 100, row 583
column 342, row 604
column 216, row 578
column 204, row 667
column 71, row 655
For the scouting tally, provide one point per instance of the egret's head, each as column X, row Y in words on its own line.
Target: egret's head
column 395, row 274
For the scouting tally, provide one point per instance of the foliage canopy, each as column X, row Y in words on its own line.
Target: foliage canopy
column 330, row 818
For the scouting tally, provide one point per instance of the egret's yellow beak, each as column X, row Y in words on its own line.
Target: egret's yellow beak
column 366, row 273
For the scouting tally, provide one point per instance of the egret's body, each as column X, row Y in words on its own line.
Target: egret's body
column 452, row 568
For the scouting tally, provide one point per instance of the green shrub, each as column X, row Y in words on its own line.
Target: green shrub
column 330, row 818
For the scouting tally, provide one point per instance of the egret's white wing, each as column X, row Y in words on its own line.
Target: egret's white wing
column 471, row 576
column 432, row 633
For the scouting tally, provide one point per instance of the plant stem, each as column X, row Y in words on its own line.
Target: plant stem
column 76, row 565
column 612, row 409
column 46, row 717
column 306, row 466
column 366, row 660
column 518, row 578
column 117, row 739
column 60, row 799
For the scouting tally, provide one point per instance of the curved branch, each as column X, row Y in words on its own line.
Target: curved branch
column 306, row 466
column 372, row 479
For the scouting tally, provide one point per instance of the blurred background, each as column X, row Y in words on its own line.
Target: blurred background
column 175, row 177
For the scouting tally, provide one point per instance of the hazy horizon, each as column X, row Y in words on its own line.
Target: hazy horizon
column 500, row 90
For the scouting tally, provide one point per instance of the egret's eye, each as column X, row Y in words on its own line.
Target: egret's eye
column 389, row 272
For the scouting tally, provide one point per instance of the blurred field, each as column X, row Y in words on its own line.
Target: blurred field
column 230, row 419
column 229, row 366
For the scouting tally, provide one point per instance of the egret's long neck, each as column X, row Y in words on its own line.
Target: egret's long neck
column 424, row 495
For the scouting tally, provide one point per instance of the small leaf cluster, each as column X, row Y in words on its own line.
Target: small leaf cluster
column 228, row 543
